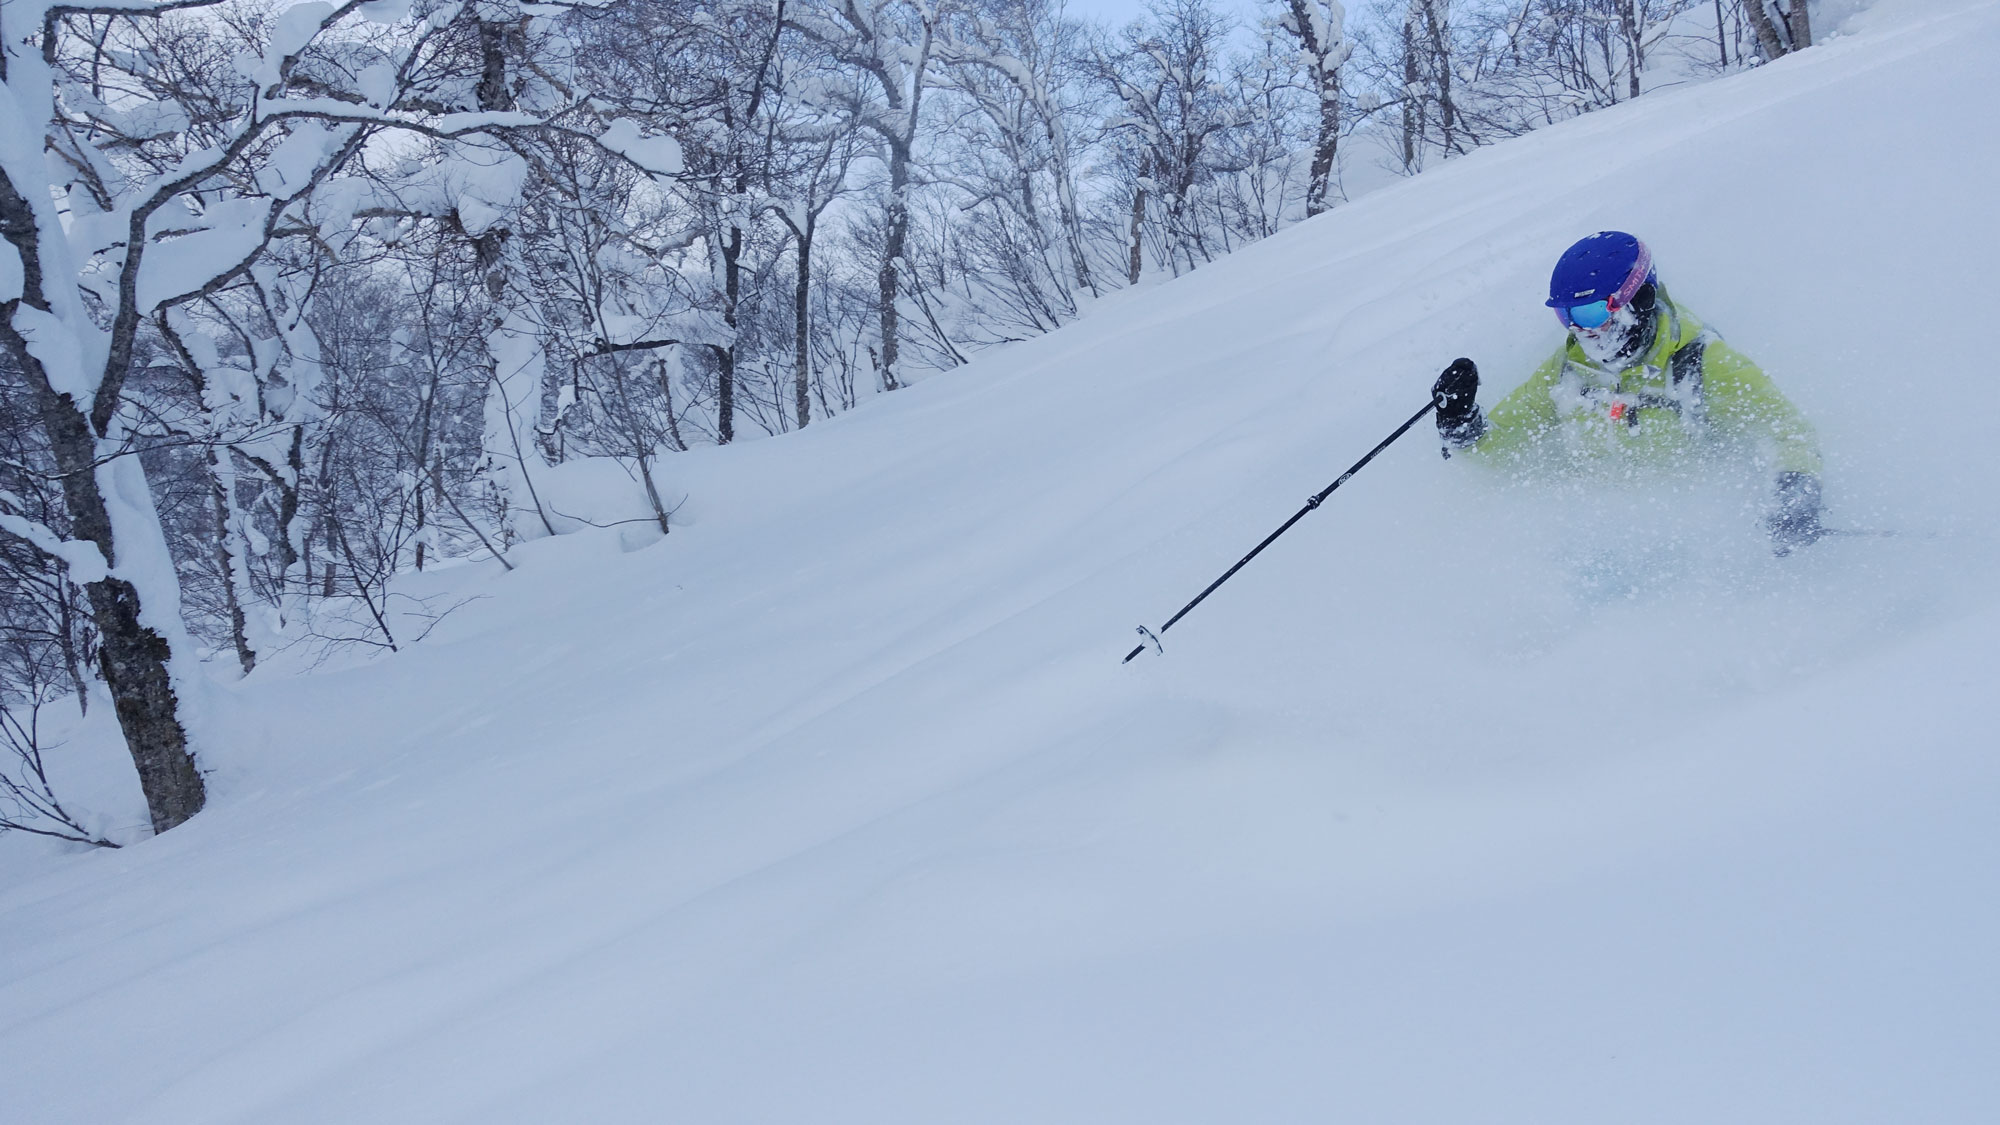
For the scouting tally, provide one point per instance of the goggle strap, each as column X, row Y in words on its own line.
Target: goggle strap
column 1633, row 280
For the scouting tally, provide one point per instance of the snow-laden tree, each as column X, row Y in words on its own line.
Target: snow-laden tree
column 732, row 162
column 121, row 201
column 809, row 179
column 1165, row 74
column 1016, row 67
column 394, row 468
column 880, row 53
column 1320, row 28
column 151, row 154
column 1262, row 166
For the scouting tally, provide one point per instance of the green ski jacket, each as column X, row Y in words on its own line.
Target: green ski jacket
column 1691, row 395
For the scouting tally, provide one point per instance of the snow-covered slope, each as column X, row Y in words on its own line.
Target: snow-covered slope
column 1464, row 803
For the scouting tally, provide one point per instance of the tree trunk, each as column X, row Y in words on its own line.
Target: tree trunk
column 653, row 493
column 1769, row 42
column 1413, row 107
column 134, row 661
column 1326, row 85
column 801, row 327
column 329, row 502
column 888, row 281
column 422, row 527
column 666, row 381
column 1801, row 23
column 725, row 379
column 1435, row 27
column 1137, row 260
column 133, row 656
column 291, row 542
column 1635, row 51
column 421, row 458
column 221, row 484
column 496, row 42
column 1320, row 183
column 1066, row 201
column 492, row 91
column 66, row 634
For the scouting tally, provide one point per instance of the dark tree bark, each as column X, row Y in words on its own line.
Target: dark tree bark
column 745, row 174
column 66, row 626
column 901, row 83
column 133, row 656
column 1801, row 24
column 801, row 327
column 227, row 562
column 1136, row 259
column 288, row 499
column 888, row 280
column 1319, row 185
column 1635, row 56
column 725, row 355
column 1434, row 29
column 494, row 97
column 1413, row 108
column 652, row 492
column 1770, row 43
column 1326, row 80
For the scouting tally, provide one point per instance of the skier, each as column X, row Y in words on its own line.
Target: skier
column 1639, row 380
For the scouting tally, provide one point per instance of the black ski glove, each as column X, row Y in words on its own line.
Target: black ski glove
column 1456, row 392
column 1794, row 520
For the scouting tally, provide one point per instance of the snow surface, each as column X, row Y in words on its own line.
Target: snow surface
column 1466, row 802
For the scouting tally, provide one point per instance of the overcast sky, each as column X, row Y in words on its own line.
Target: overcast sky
column 1117, row 12
column 1112, row 11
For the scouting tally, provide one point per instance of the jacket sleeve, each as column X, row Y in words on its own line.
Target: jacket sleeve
column 1525, row 416
column 1743, row 403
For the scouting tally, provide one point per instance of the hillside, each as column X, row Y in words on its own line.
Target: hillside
column 1466, row 802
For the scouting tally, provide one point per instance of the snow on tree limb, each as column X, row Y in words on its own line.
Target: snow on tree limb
column 85, row 562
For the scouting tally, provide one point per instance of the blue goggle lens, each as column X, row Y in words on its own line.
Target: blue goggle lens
column 1592, row 315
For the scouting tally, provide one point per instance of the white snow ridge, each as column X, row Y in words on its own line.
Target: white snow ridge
column 1467, row 802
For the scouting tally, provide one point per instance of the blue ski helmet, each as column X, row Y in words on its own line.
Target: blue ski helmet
column 1608, row 266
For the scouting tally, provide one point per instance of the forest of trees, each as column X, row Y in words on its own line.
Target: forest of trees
column 301, row 297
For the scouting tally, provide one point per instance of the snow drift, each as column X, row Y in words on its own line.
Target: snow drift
column 1466, row 802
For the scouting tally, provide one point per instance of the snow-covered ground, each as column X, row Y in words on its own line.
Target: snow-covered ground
column 1467, row 802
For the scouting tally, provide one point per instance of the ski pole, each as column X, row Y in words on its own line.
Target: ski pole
column 1153, row 638
column 1860, row 533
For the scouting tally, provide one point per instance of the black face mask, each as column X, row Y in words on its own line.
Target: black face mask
column 1633, row 339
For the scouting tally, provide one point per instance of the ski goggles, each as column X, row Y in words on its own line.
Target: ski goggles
column 1592, row 315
